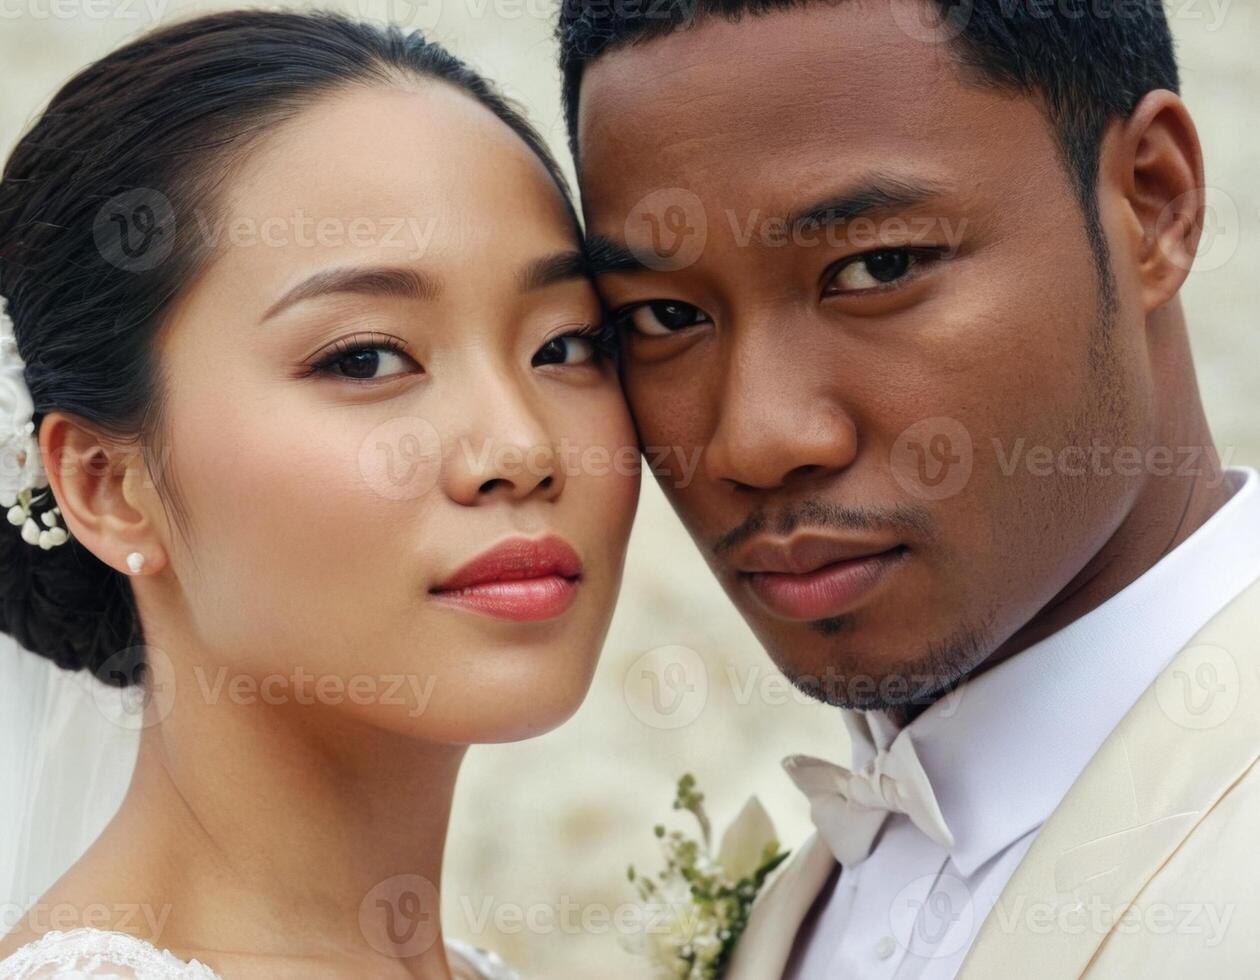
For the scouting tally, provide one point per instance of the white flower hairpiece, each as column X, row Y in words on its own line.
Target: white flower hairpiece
column 21, row 465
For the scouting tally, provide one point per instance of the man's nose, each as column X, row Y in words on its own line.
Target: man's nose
column 779, row 421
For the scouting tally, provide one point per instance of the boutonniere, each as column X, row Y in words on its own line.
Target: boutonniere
column 696, row 908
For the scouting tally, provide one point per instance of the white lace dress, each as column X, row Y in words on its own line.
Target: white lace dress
column 92, row 954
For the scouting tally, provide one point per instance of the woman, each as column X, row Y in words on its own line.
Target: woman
column 325, row 406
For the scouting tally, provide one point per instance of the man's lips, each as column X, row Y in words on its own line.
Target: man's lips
column 813, row 577
column 521, row 579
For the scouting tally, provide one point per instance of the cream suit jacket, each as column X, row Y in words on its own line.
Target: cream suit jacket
column 1149, row 866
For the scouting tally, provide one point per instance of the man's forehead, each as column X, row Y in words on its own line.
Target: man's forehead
column 792, row 75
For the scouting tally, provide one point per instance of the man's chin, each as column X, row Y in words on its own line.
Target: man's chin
column 831, row 667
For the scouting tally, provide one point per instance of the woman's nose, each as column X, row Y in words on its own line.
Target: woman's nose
column 507, row 452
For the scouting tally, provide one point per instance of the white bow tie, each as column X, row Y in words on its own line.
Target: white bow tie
column 848, row 807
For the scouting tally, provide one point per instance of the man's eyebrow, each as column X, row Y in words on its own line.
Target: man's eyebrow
column 370, row 280
column 551, row 269
column 876, row 192
column 603, row 254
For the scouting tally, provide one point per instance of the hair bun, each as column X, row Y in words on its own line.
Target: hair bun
column 67, row 605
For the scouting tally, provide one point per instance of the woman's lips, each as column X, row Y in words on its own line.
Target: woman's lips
column 520, row 579
column 828, row 591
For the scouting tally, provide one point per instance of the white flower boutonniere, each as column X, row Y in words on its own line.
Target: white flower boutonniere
column 697, row 907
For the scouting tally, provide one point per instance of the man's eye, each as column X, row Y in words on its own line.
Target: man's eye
column 872, row 270
column 662, row 317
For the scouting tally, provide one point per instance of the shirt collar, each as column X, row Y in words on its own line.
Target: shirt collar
column 1003, row 749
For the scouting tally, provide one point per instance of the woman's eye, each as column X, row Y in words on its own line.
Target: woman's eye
column 663, row 317
column 366, row 362
column 872, row 271
column 573, row 349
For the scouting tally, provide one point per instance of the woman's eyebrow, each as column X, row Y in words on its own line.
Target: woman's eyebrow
column 551, row 269
column 413, row 284
column 604, row 254
column 371, row 280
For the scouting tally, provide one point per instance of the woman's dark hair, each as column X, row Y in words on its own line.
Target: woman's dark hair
column 96, row 241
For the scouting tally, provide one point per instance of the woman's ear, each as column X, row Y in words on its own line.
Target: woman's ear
column 1157, row 162
column 105, row 492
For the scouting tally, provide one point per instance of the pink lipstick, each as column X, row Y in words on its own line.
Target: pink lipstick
column 520, row 579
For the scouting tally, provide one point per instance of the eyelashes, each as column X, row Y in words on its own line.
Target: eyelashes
column 603, row 337
column 358, row 357
column 658, row 318
column 875, row 272
column 353, row 346
column 594, row 344
column 878, row 270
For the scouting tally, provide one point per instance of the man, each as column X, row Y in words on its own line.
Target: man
column 907, row 274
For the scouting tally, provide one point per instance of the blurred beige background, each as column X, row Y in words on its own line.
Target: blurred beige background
column 543, row 830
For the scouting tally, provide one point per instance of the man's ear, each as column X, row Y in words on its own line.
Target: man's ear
column 105, row 492
column 1156, row 161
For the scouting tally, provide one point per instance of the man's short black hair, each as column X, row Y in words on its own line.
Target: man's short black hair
column 1088, row 61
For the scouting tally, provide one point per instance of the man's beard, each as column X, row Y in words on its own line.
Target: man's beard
column 906, row 689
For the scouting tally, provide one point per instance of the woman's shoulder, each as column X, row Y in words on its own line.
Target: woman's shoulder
column 94, row 954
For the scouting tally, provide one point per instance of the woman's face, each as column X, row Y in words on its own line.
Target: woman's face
column 406, row 466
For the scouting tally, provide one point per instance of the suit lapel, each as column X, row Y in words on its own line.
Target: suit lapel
column 1189, row 737
column 766, row 945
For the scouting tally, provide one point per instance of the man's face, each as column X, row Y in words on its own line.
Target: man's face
column 859, row 284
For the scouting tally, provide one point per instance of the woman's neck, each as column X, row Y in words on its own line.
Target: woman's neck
column 286, row 831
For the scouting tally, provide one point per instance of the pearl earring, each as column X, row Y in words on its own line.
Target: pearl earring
column 135, row 561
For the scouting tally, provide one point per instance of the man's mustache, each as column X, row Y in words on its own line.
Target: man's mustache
column 818, row 513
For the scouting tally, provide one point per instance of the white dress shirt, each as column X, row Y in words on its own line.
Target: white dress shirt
column 1003, row 750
